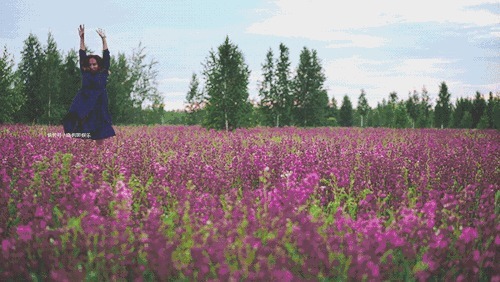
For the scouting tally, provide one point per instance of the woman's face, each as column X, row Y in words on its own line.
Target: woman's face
column 94, row 67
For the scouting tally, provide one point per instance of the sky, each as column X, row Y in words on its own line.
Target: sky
column 379, row 46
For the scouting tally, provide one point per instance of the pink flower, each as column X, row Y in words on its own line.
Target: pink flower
column 24, row 232
column 468, row 234
column 5, row 246
column 374, row 269
column 39, row 212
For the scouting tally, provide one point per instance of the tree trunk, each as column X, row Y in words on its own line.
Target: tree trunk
column 227, row 123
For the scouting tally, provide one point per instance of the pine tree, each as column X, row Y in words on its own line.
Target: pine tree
column 442, row 112
column 10, row 100
column 310, row 97
column 424, row 110
column 363, row 106
column 478, row 108
column 489, row 110
column 284, row 99
column 30, row 76
column 226, row 84
column 50, row 83
column 333, row 112
column 412, row 107
column 267, row 92
column 119, row 88
column 195, row 102
column 346, row 112
column 70, row 79
column 462, row 107
column 401, row 117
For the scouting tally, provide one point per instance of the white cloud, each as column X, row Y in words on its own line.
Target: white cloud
column 328, row 20
column 379, row 78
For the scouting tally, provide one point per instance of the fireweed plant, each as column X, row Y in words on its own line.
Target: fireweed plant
column 184, row 203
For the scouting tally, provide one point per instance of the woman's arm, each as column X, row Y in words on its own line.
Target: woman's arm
column 105, row 51
column 81, row 31
column 103, row 37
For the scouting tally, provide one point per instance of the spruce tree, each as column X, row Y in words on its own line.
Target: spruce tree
column 226, row 85
column 10, row 100
column 346, row 112
column 70, row 79
column 478, row 108
column 30, row 76
column 50, row 84
column 424, row 110
column 120, row 87
column 363, row 106
column 489, row 110
column 412, row 107
column 442, row 111
column 310, row 97
column 284, row 99
column 462, row 106
column 267, row 92
column 333, row 113
column 195, row 101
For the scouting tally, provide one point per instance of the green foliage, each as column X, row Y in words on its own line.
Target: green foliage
column 443, row 107
column 226, row 85
column 30, row 76
column 363, row 106
column 346, row 112
column 310, row 96
column 10, row 98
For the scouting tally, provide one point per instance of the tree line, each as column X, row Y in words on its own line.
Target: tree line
column 300, row 98
column 41, row 89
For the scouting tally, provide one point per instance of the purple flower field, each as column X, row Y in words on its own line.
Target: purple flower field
column 184, row 203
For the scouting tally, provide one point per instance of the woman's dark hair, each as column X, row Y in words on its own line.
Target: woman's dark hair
column 98, row 60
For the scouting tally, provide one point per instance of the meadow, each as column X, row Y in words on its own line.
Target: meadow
column 180, row 203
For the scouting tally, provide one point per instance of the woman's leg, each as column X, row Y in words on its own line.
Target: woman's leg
column 99, row 142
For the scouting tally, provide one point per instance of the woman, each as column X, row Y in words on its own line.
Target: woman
column 88, row 116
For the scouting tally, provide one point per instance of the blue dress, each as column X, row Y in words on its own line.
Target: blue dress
column 88, row 116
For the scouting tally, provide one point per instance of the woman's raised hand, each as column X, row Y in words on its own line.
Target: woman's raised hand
column 81, row 30
column 100, row 31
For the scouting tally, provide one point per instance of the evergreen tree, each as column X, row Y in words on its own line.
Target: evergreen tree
column 226, row 82
column 346, row 112
column 442, row 112
column 267, row 92
column 333, row 113
column 401, row 117
column 459, row 120
column 30, row 76
column 424, row 110
column 120, row 87
column 489, row 110
column 50, row 84
column 389, row 111
column 70, row 79
column 311, row 99
column 195, row 102
column 284, row 99
column 496, row 113
column 363, row 106
column 478, row 108
column 10, row 100
column 466, row 121
column 412, row 107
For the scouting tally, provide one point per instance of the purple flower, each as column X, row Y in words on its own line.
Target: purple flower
column 24, row 232
column 468, row 234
